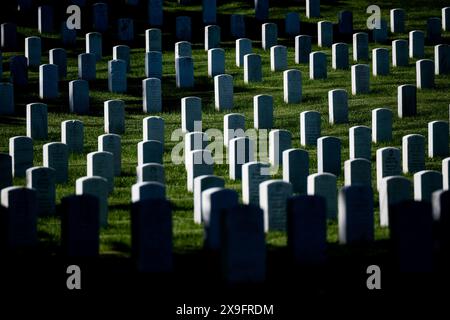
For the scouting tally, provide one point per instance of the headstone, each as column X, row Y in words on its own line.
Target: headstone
column 340, row 56
column 58, row 56
column 237, row 26
column 199, row 162
column 101, row 163
column 360, row 46
column 393, row 190
column 380, row 64
column 243, row 47
column 413, row 153
column 216, row 62
column 292, row 24
column 151, row 235
column 183, row 49
column 117, row 76
column 263, row 111
column 86, row 66
column 400, row 53
column 313, row 8
column 6, row 98
column 325, row 34
column 269, row 35
column 279, row 141
column 155, row 12
column 360, row 138
column 152, row 97
column 380, row 35
column 191, row 113
column 317, row 65
column 329, row 155
column 42, row 179
column 79, row 96
column 153, row 129
column 112, row 143
column 441, row 209
column 193, row 141
column 6, row 171
column 122, row 52
column 442, row 59
column 438, row 140
column 296, row 169
column 345, row 22
column 425, row 74
column 201, row 184
column 416, row 44
column 233, row 127
column 48, row 81
column 307, row 229
column 302, row 48
column 68, row 36
column 153, row 40
column 252, row 68
column 209, row 11
column 80, row 226
column 21, row 152
column 94, row 44
column 360, row 79
column 33, row 51
column 261, row 10
column 446, row 19
column 388, row 163
column 8, row 36
column 358, row 172
column 223, row 92
column 37, row 122
column 292, row 86
column 150, row 151
column 125, row 29
column 18, row 70
column 212, row 37
column 240, row 151
column 45, row 19
column 20, row 216
column 153, row 64
column 253, row 173
column 214, row 202
column 147, row 190
column 114, row 116
column 100, row 17
column 243, row 244
column 273, row 196
column 425, row 183
column 151, row 172
column 356, row 218
column 381, row 125
column 310, row 131
column 324, row 185
column 411, row 227
column 97, row 187
column 278, row 58
column 407, row 100
column 397, row 20
column 72, row 134
column 183, row 28
column 434, row 26
column 338, row 106
column 446, row 174
column 56, row 156
column 184, row 68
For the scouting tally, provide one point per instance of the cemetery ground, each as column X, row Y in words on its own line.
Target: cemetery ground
column 347, row 264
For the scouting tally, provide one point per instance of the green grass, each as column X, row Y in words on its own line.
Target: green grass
column 115, row 239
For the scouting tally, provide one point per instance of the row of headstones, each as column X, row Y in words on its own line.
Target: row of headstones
column 238, row 230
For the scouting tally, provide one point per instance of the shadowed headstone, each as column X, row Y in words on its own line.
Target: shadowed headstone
column 6, row 98
column 400, row 53
column 86, row 66
column 310, row 123
column 388, row 163
column 18, row 70
column 6, row 171
column 97, row 187
column 153, row 129
column 79, row 96
column 58, row 56
column 263, row 111
column 253, row 173
column 296, row 169
column 42, row 179
column 151, row 172
column 302, row 48
column 33, row 51
column 413, row 153
column 360, row 138
column 340, row 56
column 152, row 97
column 56, row 156
column 273, row 196
column 191, row 113
column 48, row 81
column 153, row 64
column 37, row 122
column 72, row 134
column 21, row 152
column 324, row 185
column 201, row 184
column 393, row 190
column 112, row 143
column 406, row 100
column 360, row 46
column 94, row 44
column 438, row 139
column 381, row 125
column 184, row 68
column 416, row 44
